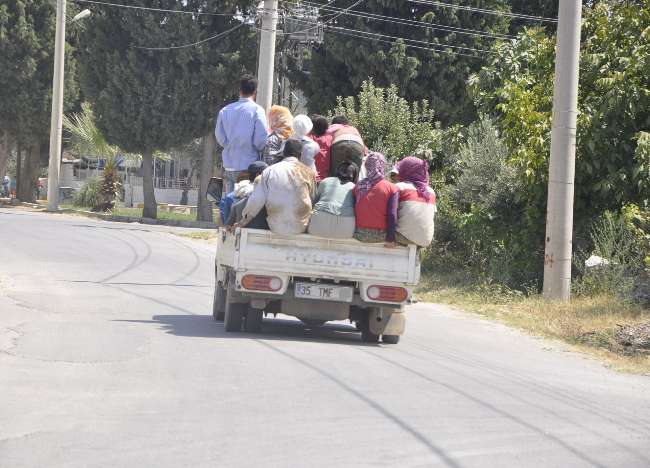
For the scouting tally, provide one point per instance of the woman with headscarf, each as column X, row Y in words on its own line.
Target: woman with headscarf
column 417, row 203
column 376, row 204
column 280, row 130
column 302, row 126
column 333, row 215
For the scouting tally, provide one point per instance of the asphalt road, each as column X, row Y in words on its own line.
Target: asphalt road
column 109, row 357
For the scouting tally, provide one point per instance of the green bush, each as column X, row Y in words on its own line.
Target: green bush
column 389, row 123
column 481, row 220
column 623, row 245
column 90, row 194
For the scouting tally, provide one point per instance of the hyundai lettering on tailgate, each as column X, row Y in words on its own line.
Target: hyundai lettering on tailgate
column 333, row 259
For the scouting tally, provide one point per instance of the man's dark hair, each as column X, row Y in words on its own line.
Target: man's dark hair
column 292, row 148
column 247, row 85
column 341, row 120
column 347, row 171
column 256, row 169
column 320, row 125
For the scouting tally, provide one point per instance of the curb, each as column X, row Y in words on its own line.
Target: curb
column 11, row 202
column 150, row 221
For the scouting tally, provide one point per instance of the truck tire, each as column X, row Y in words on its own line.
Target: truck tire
column 366, row 335
column 390, row 339
column 234, row 315
column 219, row 303
column 253, row 323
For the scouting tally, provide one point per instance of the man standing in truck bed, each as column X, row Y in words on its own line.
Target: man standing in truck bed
column 242, row 131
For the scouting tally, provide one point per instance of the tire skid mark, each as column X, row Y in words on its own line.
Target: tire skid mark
column 539, row 406
column 539, row 387
column 491, row 407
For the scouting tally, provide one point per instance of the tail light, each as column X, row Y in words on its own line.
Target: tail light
column 261, row 283
column 387, row 293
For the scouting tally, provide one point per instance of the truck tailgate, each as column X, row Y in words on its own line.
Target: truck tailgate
column 309, row 256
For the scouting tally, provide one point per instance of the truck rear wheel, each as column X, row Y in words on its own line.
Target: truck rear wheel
column 219, row 302
column 390, row 339
column 366, row 335
column 253, row 323
column 234, row 315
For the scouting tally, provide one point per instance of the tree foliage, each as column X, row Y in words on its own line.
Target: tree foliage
column 613, row 138
column 388, row 122
column 87, row 139
column 148, row 100
column 27, row 30
column 344, row 62
column 26, row 67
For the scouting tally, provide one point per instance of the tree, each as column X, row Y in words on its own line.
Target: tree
column 148, row 100
column 389, row 123
column 344, row 62
column 87, row 139
column 26, row 66
column 613, row 144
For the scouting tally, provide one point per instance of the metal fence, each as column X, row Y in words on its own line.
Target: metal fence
column 178, row 183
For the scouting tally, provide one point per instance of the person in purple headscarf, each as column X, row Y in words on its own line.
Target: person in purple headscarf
column 376, row 201
column 417, row 203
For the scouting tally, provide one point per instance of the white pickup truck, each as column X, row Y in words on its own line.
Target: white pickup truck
column 314, row 279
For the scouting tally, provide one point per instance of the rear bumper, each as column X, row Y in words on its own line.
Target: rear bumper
column 360, row 298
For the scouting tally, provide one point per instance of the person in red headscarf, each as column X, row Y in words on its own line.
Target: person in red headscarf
column 417, row 203
column 376, row 204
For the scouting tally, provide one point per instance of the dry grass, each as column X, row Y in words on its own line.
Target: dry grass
column 588, row 323
column 198, row 235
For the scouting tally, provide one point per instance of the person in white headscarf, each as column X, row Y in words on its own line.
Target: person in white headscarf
column 302, row 126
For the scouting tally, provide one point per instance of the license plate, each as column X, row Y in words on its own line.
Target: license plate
column 323, row 292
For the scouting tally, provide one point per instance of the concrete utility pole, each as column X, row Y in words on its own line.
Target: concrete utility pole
column 266, row 64
column 559, row 217
column 57, row 110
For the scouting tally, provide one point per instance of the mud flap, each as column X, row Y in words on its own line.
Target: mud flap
column 385, row 321
column 396, row 324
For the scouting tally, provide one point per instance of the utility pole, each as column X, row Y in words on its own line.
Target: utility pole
column 266, row 64
column 559, row 215
column 57, row 110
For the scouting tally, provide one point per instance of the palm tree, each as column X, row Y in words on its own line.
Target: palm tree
column 86, row 138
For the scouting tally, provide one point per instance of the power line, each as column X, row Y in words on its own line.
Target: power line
column 469, row 49
column 420, row 24
column 484, row 11
column 318, row 25
column 431, row 49
column 372, row 35
column 221, row 34
column 161, row 10
column 369, row 33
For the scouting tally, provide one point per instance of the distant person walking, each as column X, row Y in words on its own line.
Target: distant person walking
column 242, row 131
column 6, row 182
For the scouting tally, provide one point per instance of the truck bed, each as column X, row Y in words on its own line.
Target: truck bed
column 309, row 256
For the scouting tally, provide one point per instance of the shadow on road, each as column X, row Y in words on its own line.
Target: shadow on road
column 204, row 326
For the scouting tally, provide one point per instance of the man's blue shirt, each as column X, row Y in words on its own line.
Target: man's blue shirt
column 242, row 131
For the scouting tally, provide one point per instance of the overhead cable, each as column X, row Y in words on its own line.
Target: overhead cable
column 417, row 41
column 484, row 11
column 420, row 24
column 430, row 49
column 162, row 10
column 221, row 34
